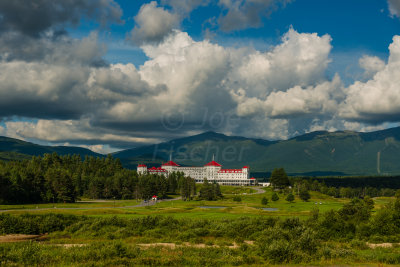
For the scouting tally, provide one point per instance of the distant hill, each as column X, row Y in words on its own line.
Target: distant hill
column 14, row 149
column 316, row 153
column 197, row 150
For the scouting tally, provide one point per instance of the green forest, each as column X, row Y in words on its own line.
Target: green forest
column 54, row 178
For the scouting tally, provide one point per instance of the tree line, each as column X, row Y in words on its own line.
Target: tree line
column 355, row 187
column 54, row 178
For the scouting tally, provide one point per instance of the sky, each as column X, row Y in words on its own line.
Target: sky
column 115, row 74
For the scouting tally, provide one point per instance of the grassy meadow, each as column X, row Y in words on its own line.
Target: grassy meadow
column 186, row 233
column 250, row 205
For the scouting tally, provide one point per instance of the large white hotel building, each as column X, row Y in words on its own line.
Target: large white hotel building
column 212, row 171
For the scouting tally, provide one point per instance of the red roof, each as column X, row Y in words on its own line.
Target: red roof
column 213, row 163
column 154, row 196
column 154, row 169
column 245, row 167
column 170, row 163
column 142, row 165
column 231, row 170
column 252, row 178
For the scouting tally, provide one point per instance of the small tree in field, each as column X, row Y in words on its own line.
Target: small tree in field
column 237, row 199
column 279, row 178
column 290, row 198
column 264, row 201
column 304, row 194
column 274, row 197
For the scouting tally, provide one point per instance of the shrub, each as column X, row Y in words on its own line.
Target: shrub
column 304, row 195
column 290, row 198
column 237, row 199
column 264, row 201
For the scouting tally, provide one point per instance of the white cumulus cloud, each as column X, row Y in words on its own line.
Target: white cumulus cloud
column 371, row 65
column 153, row 24
column 378, row 99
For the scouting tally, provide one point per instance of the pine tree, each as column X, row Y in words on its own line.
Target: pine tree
column 217, row 191
column 274, row 197
column 264, row 201
column 290, row 198
column 304, row 194
column 279, row 178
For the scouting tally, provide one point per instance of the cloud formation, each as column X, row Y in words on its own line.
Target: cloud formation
column 184, row 7
column 394, row 8
column 35, row 17
column 195, row 86
column 68, row 94
column 378, row 99
column 242, row 14
column 371, row 65
column 153, row 23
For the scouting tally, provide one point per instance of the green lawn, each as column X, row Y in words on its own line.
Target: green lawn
column 250, row 205
column 85, row 203
column 106, row 235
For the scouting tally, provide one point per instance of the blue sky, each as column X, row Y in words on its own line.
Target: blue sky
column 357, row 27
column 115, row 74
column 353, row 25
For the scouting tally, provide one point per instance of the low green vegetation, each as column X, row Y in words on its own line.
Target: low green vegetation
column 344, row 236
column 296, row 221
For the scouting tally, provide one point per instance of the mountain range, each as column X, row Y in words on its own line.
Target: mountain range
column 15, row 149
column 315, row 153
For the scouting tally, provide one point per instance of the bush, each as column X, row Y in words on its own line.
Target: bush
column 279, row 251
column 304, row 195
column 237, row 199
column 290, row 198
column 36, row 224
column 274, row 197
column 264, row 201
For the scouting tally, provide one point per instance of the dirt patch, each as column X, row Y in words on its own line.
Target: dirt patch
column 20, row 238
column 187, row 244
column 168, row 245
column 381, row 245
column 68, row 245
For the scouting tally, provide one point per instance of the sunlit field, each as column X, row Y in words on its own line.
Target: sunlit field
column 196, row 233
column 250, row 205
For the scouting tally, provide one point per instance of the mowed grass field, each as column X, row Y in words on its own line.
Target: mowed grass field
column 250, row 205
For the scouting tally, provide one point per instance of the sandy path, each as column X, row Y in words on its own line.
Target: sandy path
column 19, row 238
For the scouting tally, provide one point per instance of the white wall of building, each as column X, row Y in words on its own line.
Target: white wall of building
column 212, row 172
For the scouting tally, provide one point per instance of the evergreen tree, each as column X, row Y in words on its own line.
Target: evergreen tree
column 279, row 178
column 217, row 191
column 237, row 199
column 54, row 178
column 206, row 191
column 304, row 194
column 210, row 191
column 369, row 202
column 172, row 183
column 274, row 197
column 264, row 201
column 290, row 198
